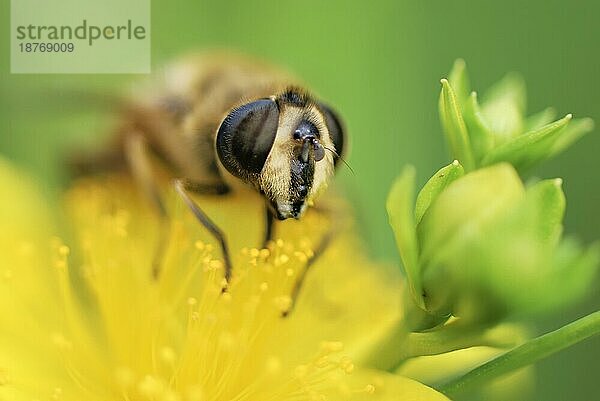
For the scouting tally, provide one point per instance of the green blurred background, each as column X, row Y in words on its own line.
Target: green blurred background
column 379, row 63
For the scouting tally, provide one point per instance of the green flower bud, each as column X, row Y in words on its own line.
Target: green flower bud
column 483, row 246
column 497, row 130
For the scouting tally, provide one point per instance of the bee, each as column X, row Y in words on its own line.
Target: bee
column 220, row 122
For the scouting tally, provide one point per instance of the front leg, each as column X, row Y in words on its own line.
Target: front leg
column 208, row 188
column 335, row 228
column 269, row 226
column 214, row 230
column 321, row 248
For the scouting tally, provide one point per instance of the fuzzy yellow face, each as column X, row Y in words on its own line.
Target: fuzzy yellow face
column 299, row 165
column 286, row 146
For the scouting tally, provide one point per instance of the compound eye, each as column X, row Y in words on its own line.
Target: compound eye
column 246, row 137
column 336, row 131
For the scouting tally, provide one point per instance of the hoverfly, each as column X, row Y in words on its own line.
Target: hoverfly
column 223, row 121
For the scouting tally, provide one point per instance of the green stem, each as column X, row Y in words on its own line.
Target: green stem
column 401, row 342
column 526, row 354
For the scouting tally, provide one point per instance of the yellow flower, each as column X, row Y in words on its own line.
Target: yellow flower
column 81, row 317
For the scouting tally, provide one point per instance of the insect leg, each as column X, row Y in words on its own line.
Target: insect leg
column 136, row 152
column 319, row 250
column 208, row 224
column 269, row 226
column 216, row 188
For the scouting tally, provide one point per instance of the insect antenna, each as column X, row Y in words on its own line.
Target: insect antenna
column 341, row 158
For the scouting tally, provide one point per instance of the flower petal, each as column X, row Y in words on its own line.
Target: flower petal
column 371, row 385
column 437, row 369
column 30, row 312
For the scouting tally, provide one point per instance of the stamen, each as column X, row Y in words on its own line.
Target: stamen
column 180, row 338
column 283, row 303
column 346, row 365
column 369, row 389
column 328, row 347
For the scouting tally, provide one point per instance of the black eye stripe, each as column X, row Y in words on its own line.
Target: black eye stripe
column 249, row 149
column 253, row 122
column 246, row 137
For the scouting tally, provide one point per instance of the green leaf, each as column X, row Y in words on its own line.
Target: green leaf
column 546, row 200
column 530, row 148
column 503, row 107
column 575, row 130
column 435, row 186
column 540, row 119
column 454, row 126
column 480, row 136
column 401, row 217
column 459, row 80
